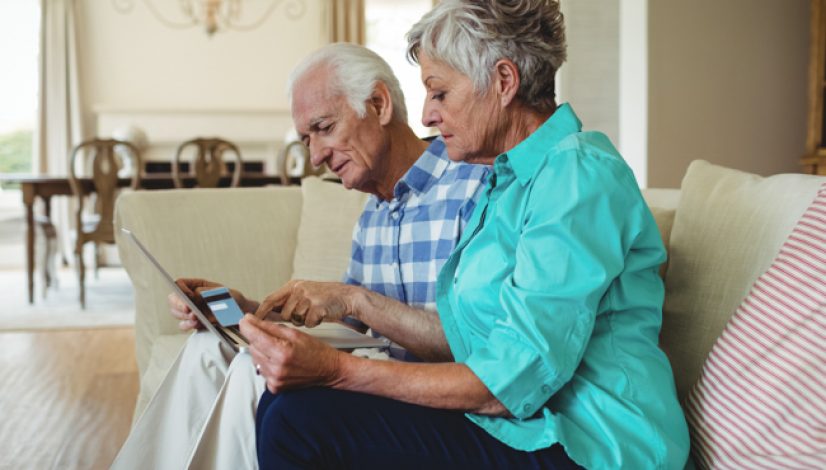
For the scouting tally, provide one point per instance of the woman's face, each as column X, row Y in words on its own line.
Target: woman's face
column 469, row 123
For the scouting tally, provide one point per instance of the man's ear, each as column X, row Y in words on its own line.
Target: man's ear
column 381, row 103
column 506, row 81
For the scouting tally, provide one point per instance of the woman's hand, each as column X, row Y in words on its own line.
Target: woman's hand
column 192, row 288
column 309, row 303
column 288, row 358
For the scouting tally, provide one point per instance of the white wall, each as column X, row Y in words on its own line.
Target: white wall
column 589, row 80
column 727, row 83
column 132, row 65
column 633, row 87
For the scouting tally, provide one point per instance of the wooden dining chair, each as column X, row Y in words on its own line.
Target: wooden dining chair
column 209, row 166
column 96, row 225
column 294, row 160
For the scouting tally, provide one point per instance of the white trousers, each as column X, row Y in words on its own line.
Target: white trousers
column 203, row 414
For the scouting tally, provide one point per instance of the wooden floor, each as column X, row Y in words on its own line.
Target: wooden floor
column 66, row 397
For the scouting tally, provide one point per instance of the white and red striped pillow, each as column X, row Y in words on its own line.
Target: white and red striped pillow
column 761, row 399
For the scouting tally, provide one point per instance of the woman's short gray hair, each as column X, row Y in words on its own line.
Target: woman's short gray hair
column 356, row 70
column 471, row 36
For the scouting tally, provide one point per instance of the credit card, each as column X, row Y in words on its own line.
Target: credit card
column 223, row 306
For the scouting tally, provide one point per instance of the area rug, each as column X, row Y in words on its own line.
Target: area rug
column 109, row 302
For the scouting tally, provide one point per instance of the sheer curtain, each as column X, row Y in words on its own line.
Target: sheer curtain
column 60, row 125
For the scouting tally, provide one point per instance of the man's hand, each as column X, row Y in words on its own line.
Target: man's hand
column 309, row 303
column 288, row 358
column 192, row 288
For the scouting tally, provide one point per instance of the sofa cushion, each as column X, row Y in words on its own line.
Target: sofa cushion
column 761, row 399
column 727, row 229
column 663, row 205
column 328, row 215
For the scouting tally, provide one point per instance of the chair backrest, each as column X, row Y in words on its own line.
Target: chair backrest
column 293, row 156
column 208, row 166
column 103, row 167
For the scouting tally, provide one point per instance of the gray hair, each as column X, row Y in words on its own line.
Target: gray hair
column 356, row 70
column 471, row 36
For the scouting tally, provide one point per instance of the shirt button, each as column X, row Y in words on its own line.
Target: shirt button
column 395, row 215
column 546, row 389
column 527, row 407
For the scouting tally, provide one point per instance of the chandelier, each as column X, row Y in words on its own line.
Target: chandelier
column 215, row 15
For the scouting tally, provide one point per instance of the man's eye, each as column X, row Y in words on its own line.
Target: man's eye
column 438, row 96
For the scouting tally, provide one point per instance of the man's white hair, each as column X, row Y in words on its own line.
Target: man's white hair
column 355, row 72
column 471, row 36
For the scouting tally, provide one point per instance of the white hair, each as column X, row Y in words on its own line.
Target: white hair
column 355, row 72
column 471, row 36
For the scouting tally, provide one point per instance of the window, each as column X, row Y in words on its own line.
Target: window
column 387, row 23
column 19, row 42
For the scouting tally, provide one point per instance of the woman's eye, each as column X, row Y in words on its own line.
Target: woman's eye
column 438, row 96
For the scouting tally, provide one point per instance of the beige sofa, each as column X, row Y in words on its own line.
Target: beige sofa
column 722, row 229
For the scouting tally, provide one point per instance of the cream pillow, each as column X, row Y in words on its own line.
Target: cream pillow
column 328, row 214
column 727, row 230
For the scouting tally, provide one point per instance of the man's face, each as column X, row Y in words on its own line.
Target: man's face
column 351, row 147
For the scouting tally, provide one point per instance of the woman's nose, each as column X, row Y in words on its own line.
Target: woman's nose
column 430, row 117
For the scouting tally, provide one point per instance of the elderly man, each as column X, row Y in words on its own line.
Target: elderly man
column 349, row 109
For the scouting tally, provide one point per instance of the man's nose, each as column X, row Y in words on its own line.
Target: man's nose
column 318, row 154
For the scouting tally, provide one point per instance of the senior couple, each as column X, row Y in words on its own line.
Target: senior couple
column 536, row 344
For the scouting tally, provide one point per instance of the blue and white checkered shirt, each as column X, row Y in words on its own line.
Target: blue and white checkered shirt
column 400, row 245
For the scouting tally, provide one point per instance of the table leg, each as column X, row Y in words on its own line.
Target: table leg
column 28, row 201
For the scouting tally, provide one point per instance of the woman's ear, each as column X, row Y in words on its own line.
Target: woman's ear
column 506, row 81
column 382, row 103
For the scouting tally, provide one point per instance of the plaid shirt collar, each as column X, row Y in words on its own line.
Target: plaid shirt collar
column 426, row 172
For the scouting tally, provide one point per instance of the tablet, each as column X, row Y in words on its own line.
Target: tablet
column 334, row 334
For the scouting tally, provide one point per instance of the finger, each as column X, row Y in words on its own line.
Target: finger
column 184, row 284
column 299, row 315
column 256, row 335
column 196, row 323
column 288, row 309
column 260, row 359
column 271, row 330
column 177, row 314
column 186, row 325
column 200, row 289
column 178, row 311
column 274, row 301
column 314, row 316
column 176, row 303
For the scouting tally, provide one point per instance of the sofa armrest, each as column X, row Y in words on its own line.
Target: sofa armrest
column 244, row 238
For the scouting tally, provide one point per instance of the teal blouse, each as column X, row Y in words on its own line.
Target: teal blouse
column 553, row 300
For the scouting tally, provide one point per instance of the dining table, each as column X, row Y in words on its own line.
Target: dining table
column 45, row 187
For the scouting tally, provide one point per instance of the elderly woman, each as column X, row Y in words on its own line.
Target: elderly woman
column 549, row 309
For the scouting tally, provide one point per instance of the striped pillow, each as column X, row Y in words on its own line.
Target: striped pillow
column 761, row 399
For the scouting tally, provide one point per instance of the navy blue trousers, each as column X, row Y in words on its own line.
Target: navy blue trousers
column 324, row 428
